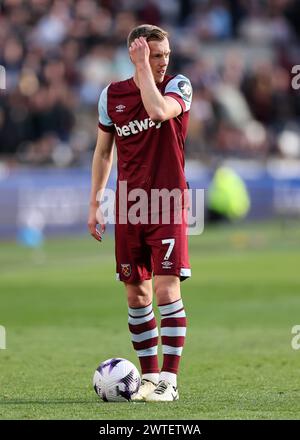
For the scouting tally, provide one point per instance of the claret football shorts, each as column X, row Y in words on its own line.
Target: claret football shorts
column 143, row 250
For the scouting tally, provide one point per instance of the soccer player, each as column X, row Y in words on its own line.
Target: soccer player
column 147, row 117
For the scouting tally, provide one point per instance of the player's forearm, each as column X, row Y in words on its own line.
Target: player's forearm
column 101, row 168
column 151, row 97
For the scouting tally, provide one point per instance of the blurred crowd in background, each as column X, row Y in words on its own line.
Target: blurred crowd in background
column 60, row 54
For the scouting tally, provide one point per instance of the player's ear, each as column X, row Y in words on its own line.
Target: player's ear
column 130, row 54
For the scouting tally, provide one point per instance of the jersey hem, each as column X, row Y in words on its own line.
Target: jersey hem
column 106, row 128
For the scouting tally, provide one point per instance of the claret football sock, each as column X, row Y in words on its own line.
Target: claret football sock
column 173, row 331
column 144, row 336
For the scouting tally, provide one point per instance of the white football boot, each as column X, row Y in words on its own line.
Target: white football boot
column 164, row 392
column 146, row 388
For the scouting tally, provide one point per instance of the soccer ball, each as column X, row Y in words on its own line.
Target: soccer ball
column 116, row 380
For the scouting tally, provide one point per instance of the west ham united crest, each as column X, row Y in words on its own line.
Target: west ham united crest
column 126, row 270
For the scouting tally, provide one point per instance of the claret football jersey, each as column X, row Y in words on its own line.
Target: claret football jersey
column 150, row 155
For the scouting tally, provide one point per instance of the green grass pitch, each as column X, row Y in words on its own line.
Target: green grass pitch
column 64, row 313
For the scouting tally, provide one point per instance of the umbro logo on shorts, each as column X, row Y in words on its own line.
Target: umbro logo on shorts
column 167, row 264
column 136, row 126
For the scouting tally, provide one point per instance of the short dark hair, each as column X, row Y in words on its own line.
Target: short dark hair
column 149, row 31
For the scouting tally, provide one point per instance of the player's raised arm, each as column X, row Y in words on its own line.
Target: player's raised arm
column 151, row 61
column 101, row 167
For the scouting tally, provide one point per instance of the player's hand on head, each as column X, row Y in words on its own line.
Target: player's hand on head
column 139, row 50
column 96, row 223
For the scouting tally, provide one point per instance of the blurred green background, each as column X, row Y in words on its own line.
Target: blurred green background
column 64, row 313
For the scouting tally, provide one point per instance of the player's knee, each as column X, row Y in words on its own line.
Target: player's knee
column 138, row 296
column 137, row 301
column 167, row 293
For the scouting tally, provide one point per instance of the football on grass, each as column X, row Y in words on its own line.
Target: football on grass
column 116, row 380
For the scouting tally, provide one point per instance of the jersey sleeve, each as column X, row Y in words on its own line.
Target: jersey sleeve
column 180, row 88
column 105, row 123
